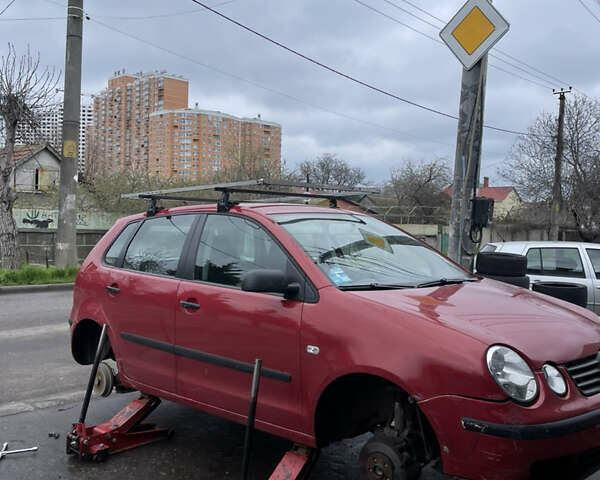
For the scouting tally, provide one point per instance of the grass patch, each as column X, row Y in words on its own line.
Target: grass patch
column 35, row 275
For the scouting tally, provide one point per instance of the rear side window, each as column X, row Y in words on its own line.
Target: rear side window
column 594, row 255
column 534, row 261
column 231, row 246
column 114, row 252
column 157, row 245
column 558, row 262
column 489, row 248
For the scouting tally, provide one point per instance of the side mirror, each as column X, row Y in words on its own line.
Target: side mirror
column 270, row 281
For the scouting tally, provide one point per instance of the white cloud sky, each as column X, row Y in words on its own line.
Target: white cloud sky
column 559, row 41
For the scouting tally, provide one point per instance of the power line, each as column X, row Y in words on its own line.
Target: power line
column 443, row 22
column 27, row 19
column 344, row 75
column 6, row 8
column 263, row 87
column 256, row 84
column 438, row 41
column 162, row 15
column 589, row 10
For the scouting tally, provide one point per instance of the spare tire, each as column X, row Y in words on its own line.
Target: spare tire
column 570, row 292
column 504, row 264
column 518, row 281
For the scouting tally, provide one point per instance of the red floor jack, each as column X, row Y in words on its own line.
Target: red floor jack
column 122, row 432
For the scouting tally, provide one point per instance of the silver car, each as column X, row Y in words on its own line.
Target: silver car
column 563, row 262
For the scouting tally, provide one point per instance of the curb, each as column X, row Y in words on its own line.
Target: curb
column 36, row 288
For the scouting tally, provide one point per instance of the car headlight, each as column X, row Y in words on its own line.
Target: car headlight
column 511, row 373
column 555, row 380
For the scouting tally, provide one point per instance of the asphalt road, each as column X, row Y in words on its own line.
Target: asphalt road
column 41, row 392
column 41, row 389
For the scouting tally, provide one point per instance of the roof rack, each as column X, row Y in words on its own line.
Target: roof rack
column 329, row 192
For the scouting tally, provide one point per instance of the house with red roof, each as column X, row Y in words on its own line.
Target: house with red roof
column 506, row 199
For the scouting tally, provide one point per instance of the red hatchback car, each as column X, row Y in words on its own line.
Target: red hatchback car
column 359, row 326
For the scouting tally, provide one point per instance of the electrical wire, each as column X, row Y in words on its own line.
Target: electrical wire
column 344, row 75
column 589, row 10
column 439, row 42
column 6, row 8
column 161, row 15
column 263, row 87
column 27, row 19
column 497, row 50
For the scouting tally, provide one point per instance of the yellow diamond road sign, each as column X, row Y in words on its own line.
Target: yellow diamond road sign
column 475, row 28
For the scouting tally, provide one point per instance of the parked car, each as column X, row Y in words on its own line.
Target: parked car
column 559, row 262
column 360, row 327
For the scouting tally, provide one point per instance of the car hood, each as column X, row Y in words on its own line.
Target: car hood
column 540, row 327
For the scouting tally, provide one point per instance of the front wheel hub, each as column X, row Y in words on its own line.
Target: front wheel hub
column 379, row 467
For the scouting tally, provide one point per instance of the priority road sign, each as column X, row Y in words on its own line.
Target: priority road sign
column 475, row 28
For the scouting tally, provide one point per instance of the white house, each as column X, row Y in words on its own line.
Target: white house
column 37, row 168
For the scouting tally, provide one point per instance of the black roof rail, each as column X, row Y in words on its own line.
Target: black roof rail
column 329, row 192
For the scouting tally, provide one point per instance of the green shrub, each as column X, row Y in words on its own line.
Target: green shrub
column 36, row 275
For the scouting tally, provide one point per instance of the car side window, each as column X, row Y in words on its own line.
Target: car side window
column 562, row 262
column 114, row 252
column 534, row 261
column 594, row 255
column 157, row 245
column 231, row 246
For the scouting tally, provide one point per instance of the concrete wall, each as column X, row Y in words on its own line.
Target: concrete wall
column 38, row 247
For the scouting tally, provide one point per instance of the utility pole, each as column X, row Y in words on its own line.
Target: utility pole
column 556, row 186
column 66, row 235
column 468, row 156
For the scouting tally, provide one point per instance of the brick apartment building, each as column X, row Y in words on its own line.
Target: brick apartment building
column 142, row 121
column 121, row 119
column 196, row 143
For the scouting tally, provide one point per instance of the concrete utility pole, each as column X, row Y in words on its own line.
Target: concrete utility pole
column 468, row 156
column 66, row 246
column 556, row 187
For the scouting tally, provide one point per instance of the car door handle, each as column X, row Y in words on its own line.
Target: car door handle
column 189, row 305
column 112, row 289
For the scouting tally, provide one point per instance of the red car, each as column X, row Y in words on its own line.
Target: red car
column 359, row 326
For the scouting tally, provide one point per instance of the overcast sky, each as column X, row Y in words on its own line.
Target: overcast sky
column 233, row 71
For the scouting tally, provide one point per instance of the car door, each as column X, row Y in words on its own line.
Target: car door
column 594, row 257
column 558, row 264
column 141, row 295
column 221, row 330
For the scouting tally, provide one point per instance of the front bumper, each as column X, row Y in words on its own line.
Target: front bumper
column 540, row 431
column 501, row 440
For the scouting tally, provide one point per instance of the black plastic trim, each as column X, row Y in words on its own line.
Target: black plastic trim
column 205, row 357
column 534, row 432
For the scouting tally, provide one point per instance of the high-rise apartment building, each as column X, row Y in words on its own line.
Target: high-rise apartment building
column 121, row 118
column 49, row 129
column 195, row 143
column 142, row 121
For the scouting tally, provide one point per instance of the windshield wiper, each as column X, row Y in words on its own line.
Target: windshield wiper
column 444, row 281
column 375, row 286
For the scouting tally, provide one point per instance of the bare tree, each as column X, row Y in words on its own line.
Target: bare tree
column 530, row 165
column 419, row 186
column 328, row 169
column 26, row 90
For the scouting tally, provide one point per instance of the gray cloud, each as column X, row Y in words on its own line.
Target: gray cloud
column 346, row 36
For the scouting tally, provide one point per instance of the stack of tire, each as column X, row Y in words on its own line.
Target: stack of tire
column 504, row 267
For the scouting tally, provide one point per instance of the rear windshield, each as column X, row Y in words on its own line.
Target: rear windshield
column 357, row 249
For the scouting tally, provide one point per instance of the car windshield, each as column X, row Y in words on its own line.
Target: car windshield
column 360, row 251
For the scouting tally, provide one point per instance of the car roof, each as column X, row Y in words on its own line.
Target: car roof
column 261, row 208
column 544, row 243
